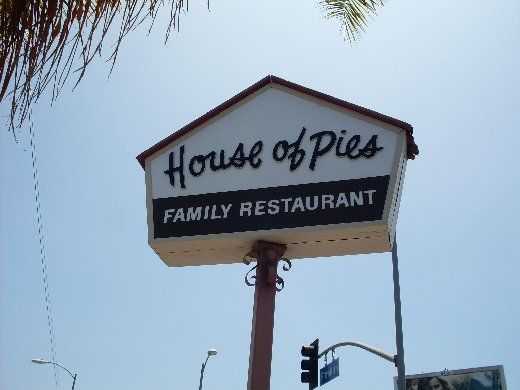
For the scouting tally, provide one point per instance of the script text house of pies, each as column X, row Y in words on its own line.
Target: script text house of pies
column 324, row 142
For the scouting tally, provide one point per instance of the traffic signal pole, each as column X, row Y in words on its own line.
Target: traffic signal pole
column 267, row 256
column 366, row 347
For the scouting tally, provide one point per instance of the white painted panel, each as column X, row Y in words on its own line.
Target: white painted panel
column 271, row 116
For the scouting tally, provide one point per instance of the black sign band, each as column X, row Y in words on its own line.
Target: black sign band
column 292, row 206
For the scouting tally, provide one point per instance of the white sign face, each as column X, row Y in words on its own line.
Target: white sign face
column 276, row 165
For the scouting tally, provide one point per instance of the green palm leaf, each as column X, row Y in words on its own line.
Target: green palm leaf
column 353, row 15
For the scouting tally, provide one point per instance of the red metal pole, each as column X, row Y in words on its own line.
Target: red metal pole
column 267, row 255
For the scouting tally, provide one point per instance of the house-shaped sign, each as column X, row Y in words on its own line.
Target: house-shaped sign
column 281, row 163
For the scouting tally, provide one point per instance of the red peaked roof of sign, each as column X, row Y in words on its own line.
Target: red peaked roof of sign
column 412, row 149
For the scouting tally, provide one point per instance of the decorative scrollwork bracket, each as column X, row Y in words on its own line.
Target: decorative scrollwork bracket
column 267, row 256
column 250, row 279
column 286, row 266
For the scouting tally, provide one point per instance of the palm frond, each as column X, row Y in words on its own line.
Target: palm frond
column 43, row 42
column 353, row 15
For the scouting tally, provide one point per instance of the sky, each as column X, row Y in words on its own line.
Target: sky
column 123, row 320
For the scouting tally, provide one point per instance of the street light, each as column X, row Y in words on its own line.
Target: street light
column 211, row 352
column 41, row 361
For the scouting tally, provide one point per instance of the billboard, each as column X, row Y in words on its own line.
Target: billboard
column 481, row 378
column 282, row 163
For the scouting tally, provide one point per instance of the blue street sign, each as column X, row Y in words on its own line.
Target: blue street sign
column 329, row 372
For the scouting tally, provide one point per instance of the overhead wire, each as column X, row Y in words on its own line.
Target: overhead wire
column 43, row 258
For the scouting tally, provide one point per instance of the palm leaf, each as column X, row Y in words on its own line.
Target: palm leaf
column 42, row 42
column 353, row 15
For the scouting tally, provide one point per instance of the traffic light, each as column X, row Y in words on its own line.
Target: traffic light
column 310, row 366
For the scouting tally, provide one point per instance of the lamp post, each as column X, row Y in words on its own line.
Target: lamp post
column 41, row 361
column 211, row 352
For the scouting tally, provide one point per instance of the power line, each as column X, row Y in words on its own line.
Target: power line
column 42, row 251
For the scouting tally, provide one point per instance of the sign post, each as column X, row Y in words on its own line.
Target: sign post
column 260, row 355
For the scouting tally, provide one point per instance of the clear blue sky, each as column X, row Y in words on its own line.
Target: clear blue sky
column 125, row 321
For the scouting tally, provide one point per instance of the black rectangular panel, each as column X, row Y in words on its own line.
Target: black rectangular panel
column 292, row 206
